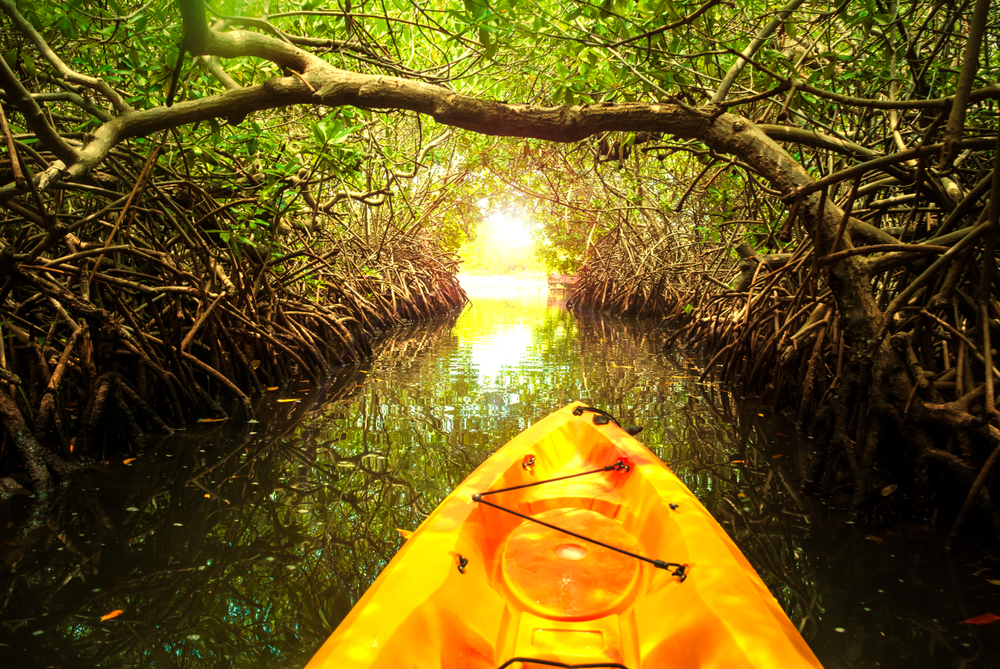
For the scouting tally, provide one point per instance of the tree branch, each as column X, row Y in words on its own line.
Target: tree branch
column 72, row 76
column 757, row 43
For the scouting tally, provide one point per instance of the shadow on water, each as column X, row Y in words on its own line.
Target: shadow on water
column 245, row 545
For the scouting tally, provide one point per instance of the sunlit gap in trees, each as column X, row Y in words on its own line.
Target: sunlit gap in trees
column 502, row 246
column 505, row 230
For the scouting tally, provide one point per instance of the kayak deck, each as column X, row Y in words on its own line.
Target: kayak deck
column 649, row 579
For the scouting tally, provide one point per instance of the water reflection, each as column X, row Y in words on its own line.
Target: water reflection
column 244, row 545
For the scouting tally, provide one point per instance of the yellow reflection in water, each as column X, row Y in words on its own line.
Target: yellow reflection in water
column 493, row 339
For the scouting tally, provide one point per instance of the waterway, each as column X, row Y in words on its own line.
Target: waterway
column 243, row 545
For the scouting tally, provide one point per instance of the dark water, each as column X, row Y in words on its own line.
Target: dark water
column 244, row 545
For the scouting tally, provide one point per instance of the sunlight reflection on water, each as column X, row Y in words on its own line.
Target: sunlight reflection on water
column 505, row 346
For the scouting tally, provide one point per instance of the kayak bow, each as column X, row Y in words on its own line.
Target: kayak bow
column 572, row 545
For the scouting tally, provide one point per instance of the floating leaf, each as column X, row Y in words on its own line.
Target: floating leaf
column 406, row 534
column 255, row 363
column 777, row 455
column 889, row 489
column 207, row 495
column 128, row 460
column 113, row 614
column 994, row 581
column 875, row 539
column 212, row 420
column 290, row 399
column 984, row 619
column 272, row 387
column 737, row 462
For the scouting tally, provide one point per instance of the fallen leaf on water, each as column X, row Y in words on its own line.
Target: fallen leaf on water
column 272, row 387
column 113, row 614
column 876, row 539
column 292, row 399
column 212, row 420
column 984, row 619
column 255, row 363
column 777, row 455
column 780, row 434
column 207, row 495
column 128, row 460
column 406, row 534
column 737, row 462
column 994, row 581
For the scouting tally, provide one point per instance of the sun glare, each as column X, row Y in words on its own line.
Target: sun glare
column 508, row 231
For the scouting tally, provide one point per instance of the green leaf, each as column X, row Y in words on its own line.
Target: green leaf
column 66, row 26
column 318, row 132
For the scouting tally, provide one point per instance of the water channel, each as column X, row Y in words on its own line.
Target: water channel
column 243, row 545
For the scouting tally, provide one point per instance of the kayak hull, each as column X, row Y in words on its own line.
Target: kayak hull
column 477, row 586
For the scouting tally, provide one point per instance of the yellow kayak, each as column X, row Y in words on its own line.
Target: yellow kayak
column 571, row 546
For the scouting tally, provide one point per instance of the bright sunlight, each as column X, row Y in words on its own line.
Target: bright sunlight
column 507, row 231
column 503, row 247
